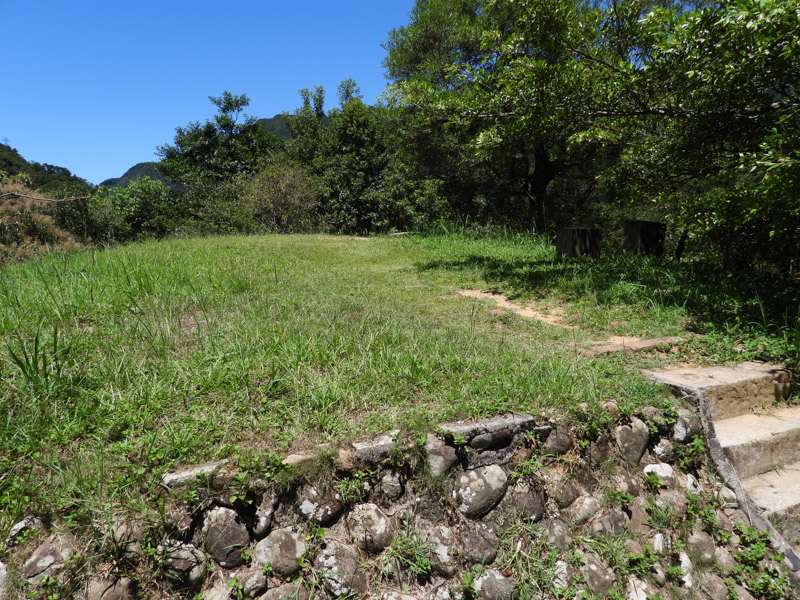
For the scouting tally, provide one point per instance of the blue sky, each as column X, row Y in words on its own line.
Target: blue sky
column 95, row 86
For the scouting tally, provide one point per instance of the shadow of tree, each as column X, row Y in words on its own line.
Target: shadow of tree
column 713, row 298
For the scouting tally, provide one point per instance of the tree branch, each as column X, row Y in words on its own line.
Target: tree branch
column 20, row 195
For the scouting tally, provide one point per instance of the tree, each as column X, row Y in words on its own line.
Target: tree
column 219, row 149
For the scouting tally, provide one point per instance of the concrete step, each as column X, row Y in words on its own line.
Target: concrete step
column 778, row 493
column 756, row 444
column 731, row 391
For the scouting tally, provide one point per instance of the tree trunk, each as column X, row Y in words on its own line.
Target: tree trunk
column 578, row 241
column 543, row 173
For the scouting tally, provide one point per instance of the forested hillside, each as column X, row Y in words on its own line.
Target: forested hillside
column 527, row 115
column 40, row 176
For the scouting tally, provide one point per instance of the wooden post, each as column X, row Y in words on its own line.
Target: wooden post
column 644, row 237
column 578, row 241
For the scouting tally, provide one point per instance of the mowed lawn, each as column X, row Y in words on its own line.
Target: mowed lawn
column 119, row 366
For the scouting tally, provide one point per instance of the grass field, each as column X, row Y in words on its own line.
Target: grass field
column 121, row 364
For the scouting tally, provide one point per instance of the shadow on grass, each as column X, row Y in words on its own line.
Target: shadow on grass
column 714, row 299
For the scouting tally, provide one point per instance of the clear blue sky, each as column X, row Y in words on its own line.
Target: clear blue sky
column 95, row 85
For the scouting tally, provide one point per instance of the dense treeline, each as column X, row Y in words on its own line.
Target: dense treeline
column 531, row 113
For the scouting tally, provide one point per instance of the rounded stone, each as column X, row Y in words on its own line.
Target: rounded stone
column 703, row 546
column 584, row 508
column 479, row 547
column 340, row 571
column 100, row 588
column 558, row 442
column 182, row 564
column 493, row 585
column 321, row 509
column 282, row 551
column 478, row 491
column 48, row 559
column 441, row 457
column 443, row 541
column 370, row 528
column 598, row 579
column 664, row 472
column 632, row 440
column 226, row 537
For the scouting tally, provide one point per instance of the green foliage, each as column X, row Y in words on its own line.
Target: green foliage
column 46, row 178
column 281, row 197
column 144, row 207
column 754, row 571
column 411, row 555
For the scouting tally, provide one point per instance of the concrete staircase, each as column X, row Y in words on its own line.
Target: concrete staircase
column 759, row 435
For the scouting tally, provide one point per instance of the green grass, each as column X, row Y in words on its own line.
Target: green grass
column 116, row 368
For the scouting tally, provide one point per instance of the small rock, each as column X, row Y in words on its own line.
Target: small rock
column 253, row 581
column 287, row 591
column 625, row 484
column 397, row 596
column 48, row 559
column 664, row 450
column 728, row 497
column 687, row 426
column 126, row 537
column 563, row 575
column 340, row 571
column 101, row 588
column 557, row 533
column 610, row 522
column 558, row 442
column 584, row 508
column 375, row 451
column 611, row 408
column 661, row 544
column 297, row 461
column 479, row 547
column 703, row 546
column 664, row 472
column 3, row 581
column 725, row 561
column 219, row 590
column 226, row 537
column 714, row 586
column 282, row 551
column 478, row 491
column 492, row 440
column 370, row 528
column 639, row 517
column 688, row 569
column 742, row 593
column 635, row 548
column 493, row 585
column 440, row 456
column 563, row 491
column 632, row 440
column 638, row 590
column 391, row 485
column 659, row 574
column 182, row 564
column 674, row 501
column 600, row 450
column 28, row 523
column 598, row 579
column 525, row 501
column 264, row 515
column 322, row 510
column 189, row 476
column 444, row 543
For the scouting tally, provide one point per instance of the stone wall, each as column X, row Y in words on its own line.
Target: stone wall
column 510, row 507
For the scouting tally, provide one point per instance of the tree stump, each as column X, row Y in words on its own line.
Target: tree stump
column 644, row 237
column 578, row 241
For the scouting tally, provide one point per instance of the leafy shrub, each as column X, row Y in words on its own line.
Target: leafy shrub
column 282, row 197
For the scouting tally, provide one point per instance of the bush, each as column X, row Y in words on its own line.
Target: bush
column 144, row 207
column 282, row 197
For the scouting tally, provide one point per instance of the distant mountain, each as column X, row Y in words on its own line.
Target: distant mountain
column 43, row 177
column 143, row 169
column 276, row 126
